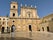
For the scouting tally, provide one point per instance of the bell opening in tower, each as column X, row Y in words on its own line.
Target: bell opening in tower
column 13, row 14
column 13, row 6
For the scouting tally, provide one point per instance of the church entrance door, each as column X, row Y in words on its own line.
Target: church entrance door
column 13, row 28
column 48, row 29
column 30, row 29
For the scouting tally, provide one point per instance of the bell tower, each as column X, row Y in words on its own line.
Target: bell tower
column 14, row 9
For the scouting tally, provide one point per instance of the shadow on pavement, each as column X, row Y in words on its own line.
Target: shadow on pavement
column 12, row 38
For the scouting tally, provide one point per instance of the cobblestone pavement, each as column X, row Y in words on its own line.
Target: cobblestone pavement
column 27, row 36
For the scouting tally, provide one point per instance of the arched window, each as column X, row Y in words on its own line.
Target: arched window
column 3, row 23
column 0, row 22
column 52, row 19
column 13, row 6
column 29, row 14
column 0, row 18
column 3, row 18
column 13, row 14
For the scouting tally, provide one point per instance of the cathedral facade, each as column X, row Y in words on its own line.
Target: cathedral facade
column 28, row 19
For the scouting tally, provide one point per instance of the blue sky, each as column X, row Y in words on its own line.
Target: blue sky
column 44, row 7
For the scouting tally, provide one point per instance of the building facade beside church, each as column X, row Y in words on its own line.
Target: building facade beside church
column 46, row 24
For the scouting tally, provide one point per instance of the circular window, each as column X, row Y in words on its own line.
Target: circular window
column 13, row 21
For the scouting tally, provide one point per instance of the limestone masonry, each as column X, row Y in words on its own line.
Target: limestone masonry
column 28, row 20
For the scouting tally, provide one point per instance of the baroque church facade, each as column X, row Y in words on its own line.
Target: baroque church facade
column 28, row 19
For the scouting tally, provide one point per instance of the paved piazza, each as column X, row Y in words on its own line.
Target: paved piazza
column 27, row 36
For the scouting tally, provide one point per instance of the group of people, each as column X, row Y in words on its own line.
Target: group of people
column 8, row 29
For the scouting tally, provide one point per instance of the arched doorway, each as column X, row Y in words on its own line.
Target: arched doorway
column 43, row 28
column 8, row 29
column 2, row 29
column 48, row 28
column 13, row 28
column 30, row 29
